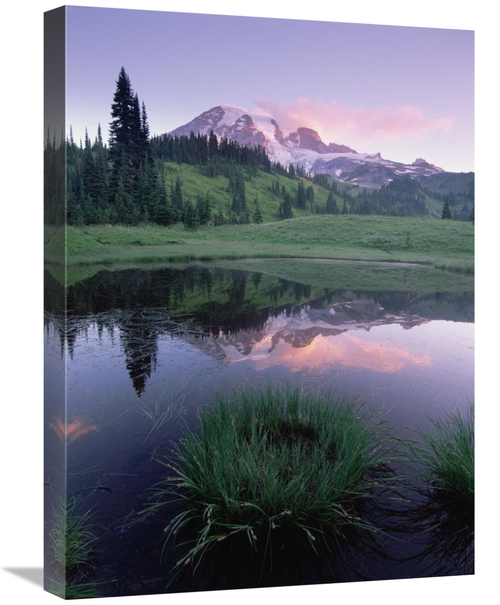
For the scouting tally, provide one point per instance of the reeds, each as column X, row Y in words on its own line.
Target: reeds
column 443, row 522
column 165, row 407
column 448, row 456
column 72, row 536
column 276, row 460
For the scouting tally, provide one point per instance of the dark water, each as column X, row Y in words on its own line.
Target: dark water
column 144, row 349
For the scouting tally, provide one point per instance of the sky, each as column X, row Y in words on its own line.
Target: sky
column 406, row 92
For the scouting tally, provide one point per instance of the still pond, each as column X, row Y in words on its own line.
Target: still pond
column 145, row 349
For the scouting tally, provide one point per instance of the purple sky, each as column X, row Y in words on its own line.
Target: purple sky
column 406, row 92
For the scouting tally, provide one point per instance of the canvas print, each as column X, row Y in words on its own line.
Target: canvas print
column 259, row 302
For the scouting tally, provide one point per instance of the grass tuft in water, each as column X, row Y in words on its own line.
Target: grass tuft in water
column 73, row 540
column 72, row 536
column 448, row 456
column 276, row 460
column 443, row 522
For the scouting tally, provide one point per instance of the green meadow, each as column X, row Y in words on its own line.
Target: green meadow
column 444, row 244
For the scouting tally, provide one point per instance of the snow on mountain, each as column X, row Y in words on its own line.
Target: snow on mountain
column 302, row 147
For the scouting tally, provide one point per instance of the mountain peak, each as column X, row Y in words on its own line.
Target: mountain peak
column 309, row 133
column 302, row 147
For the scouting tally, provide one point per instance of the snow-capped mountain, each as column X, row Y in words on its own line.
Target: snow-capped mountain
column 302, row 147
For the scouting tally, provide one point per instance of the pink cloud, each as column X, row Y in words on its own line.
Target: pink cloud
column 353, row 125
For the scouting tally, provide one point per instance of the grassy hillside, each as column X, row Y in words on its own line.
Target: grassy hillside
column 257, row 187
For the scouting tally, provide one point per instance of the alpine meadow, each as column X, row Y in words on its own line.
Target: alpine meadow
column 193, row 183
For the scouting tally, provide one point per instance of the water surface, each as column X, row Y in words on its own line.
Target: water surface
column 144, row 349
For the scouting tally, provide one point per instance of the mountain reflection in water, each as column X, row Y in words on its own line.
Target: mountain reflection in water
column 315, row 338
column 266, row 319
column 145, row 349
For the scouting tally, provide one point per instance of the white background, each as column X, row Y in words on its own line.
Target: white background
column 21, row 332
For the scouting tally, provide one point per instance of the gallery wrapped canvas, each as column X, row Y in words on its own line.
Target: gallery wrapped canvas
column 259, row 302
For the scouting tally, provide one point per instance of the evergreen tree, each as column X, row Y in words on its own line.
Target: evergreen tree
column 163, row 213
column 124, row 119
column 89, row 184
column 128, row 151
column 122, row 148
column 123, row 183
column 190, row 217
column 335, row 207
column 74, row 187
column 219, row 218
column 138, row 145
column 286, row 210
column 101, row 178
column 213, row 145
column 204, row 209
column 446, row 214
column 310, row 196
column 176, row 199
column 257, row 215
column 144, row 134
column 237, row 190
column 331, row 204
column 301, row 195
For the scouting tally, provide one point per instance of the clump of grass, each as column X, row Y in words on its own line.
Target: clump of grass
column 448, row 457
column 72, row 539
column 444, row 521
column 275, row 460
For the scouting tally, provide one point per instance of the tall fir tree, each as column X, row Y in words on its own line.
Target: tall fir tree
column 446, row 214
column 301, row 194
column 331, row 204
column 134, row 182
column 286, row 210
column 257, row 215
column 176, row 199
column 121, row 148
column 101, row 177
column 124, row 118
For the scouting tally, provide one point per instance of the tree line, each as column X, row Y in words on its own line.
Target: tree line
column 121, row 183
column 125, row 182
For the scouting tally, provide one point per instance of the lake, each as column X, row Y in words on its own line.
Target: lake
column 145, row 348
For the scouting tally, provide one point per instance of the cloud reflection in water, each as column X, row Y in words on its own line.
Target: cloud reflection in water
column 303, row 349
column 75, row 429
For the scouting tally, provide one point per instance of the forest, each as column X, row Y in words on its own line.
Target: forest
column 127, row 181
